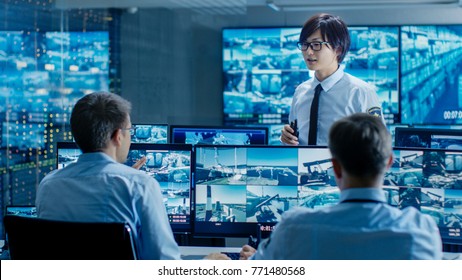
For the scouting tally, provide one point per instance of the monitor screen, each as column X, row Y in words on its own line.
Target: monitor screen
column 169, row 164
column 262, row 67
column 218, row 135
column 25, row 211
column 428, row 138
column 150, row 133
column 431, row 181
column 67, row 153
column 241, row 188
column 431, row 74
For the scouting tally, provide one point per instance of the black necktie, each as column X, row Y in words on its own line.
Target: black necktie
column 312, row 135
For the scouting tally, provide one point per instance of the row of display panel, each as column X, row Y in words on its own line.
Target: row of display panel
column 239, row 135
column 416, row 71
column 237, row 190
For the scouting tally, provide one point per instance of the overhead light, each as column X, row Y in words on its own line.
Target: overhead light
column 273, row 6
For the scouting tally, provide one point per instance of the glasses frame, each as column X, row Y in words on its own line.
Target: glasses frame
column 303, row 46
column 132, row 129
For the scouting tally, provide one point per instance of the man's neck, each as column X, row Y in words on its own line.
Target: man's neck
column 110, row 151
column 349, row 182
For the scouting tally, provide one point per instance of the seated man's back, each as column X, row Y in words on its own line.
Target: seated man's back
column 352, row 230
column 98, row 189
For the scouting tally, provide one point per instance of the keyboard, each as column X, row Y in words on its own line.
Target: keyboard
column 232, row 255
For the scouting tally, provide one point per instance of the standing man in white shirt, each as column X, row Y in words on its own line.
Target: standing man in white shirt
column 362, row 226
column 324, row 42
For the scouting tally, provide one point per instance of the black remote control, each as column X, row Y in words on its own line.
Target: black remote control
column 293, row 125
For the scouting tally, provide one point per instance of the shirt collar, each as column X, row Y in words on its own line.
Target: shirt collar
column 98, row 156
column 363, row 193
column 330, row 81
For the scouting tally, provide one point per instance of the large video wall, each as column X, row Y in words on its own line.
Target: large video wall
column 263, row 66
column 416, row 71
column 42, row 75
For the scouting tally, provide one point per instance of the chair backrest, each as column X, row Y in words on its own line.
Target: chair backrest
column 40, row 239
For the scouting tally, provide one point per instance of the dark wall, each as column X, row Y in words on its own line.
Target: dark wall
column 171, row 67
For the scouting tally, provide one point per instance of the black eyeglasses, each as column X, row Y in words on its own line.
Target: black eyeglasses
column 131, row 129
column 315, row 46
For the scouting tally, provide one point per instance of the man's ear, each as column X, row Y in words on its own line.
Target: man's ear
column 117, row 138
column 338, row 51
column 390, row 162
column 337, row 168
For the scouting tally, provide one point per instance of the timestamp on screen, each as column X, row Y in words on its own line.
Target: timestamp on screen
column 452, row 115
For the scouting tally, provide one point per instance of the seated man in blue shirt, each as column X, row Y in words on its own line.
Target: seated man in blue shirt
column 99, row 188
column 362, row 225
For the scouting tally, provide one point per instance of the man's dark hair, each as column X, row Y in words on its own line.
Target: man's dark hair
column 362, row 144
column 333, row 30
column 96, row 117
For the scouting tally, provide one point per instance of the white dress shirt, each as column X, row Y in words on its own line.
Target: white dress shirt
column 342, row 95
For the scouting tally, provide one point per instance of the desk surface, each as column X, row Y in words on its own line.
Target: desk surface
column 197, row 253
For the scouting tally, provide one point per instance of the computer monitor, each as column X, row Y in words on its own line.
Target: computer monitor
column 218, row 135
column 21, row 210
column 431, row 181
column 170, row 164
column 262, row 67
column 242, row 188
column 150, row 133
column 430, row 76
column 428, row 138
column 67, row 153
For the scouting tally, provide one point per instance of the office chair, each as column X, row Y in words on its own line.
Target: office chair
column 40, row 239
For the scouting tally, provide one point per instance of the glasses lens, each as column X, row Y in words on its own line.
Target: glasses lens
column 316, row 46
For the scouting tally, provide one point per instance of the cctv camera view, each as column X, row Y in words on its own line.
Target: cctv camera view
column 256, row 185
column 146, row 133
column 429, row 138
column 430, row 181
column 263, row 66
column 23, row 211
column 274, row 134
column 431, row 70
column 238, row 186
column 219, row 135
column 67, row 156
column 172, row 169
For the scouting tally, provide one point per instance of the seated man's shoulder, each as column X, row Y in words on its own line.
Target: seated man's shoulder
column 128, row 172
column 411, row 214
column 301, row 213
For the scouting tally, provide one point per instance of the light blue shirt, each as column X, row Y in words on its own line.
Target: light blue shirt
column 354, row 230
column 98, row 189
column 342, row 95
